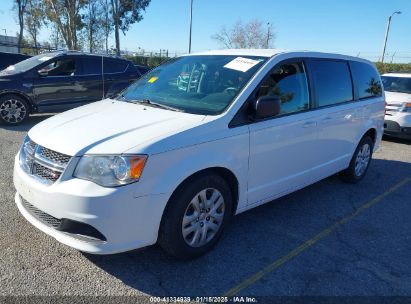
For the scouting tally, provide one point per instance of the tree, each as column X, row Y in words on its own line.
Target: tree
column 34, row 20
column 56, row 41
column 94, row 19
column 25, row 47
column 107, row 23
column 20, row 7
column 65, row 14
column 246, row 36
column 125, row 13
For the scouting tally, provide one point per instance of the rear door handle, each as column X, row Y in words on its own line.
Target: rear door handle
column 309, row 124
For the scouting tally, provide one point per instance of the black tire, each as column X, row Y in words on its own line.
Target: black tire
column 171, row 237
column 9, row 103
column 350, row 175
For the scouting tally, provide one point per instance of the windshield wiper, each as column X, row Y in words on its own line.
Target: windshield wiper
column 152, row 104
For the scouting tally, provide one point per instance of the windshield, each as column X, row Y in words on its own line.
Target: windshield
column 203, row 85
column 397, row 84
column 27, row 64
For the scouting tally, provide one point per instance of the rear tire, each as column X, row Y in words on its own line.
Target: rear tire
column 13, row 109
column 360, row 161
column 195, row 216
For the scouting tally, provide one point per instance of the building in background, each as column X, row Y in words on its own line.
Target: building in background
column 8, row 44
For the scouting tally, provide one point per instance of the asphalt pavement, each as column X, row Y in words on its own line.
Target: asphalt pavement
column 329, row 239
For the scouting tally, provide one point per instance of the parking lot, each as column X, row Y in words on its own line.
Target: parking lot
column 330, row 239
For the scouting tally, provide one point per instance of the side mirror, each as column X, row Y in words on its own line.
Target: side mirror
column 266, row 106
column 42, row 73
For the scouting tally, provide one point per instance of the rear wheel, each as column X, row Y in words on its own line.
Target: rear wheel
column 360, row 161
column 13, row 109
column 195, row 216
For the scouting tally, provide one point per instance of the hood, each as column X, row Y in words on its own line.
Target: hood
column 5, row 75
column 6, row 78
column 109, row 127
column 393, row 98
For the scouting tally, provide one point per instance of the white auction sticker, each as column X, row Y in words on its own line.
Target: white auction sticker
column 241, row 64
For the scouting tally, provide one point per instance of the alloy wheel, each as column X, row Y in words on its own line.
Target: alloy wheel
column 13, row 111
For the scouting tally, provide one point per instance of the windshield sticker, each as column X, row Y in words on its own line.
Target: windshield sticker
column 45, row 58
column 152, row 79
column 241, row 64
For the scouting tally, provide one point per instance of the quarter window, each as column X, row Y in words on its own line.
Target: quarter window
column 114, row 66
column 91, row 65
column 367, row 80
column 289, row 83
column 332, row 82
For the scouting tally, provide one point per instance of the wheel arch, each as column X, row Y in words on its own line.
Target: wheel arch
column 223, row 172
column 21, row 95
column 372, row 132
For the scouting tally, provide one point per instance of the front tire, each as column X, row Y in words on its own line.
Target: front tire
column 13, row 110
column 360, row 161
column 195, row 216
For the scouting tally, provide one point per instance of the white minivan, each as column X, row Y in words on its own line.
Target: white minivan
column 195, row 141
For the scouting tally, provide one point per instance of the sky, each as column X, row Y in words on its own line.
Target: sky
column 354, row 27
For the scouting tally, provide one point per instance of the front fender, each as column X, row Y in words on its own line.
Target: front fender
column 164, row 172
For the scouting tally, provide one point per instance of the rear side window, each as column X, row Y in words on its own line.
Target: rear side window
column 367, row 80
column 332, row 82
column 91, row 65
column 289, row 83
column 114, row 66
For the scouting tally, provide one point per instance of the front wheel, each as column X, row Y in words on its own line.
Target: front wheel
column 13, row 110
column 195, row 216
column 360, row 161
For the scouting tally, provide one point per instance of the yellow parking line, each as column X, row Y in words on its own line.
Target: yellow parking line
column 307, row 244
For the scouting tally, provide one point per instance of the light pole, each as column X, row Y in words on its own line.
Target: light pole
column 191, row 25
column 386, row 34
column 5, row 31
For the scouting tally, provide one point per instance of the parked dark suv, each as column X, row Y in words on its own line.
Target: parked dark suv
column 59, row 81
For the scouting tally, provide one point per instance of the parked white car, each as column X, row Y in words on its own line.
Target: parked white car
column 397, row 87
column 162, row 164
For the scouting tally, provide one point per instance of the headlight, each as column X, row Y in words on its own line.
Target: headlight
column 406, row 107
column 26, row 155
column 110, row 170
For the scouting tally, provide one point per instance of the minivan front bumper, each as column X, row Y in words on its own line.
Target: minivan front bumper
column 123, row 221
column 394, row 128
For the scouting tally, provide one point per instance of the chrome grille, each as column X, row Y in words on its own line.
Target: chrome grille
column 45, row 164
column 392, row 108
column 43, row 217
column 60, row 158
